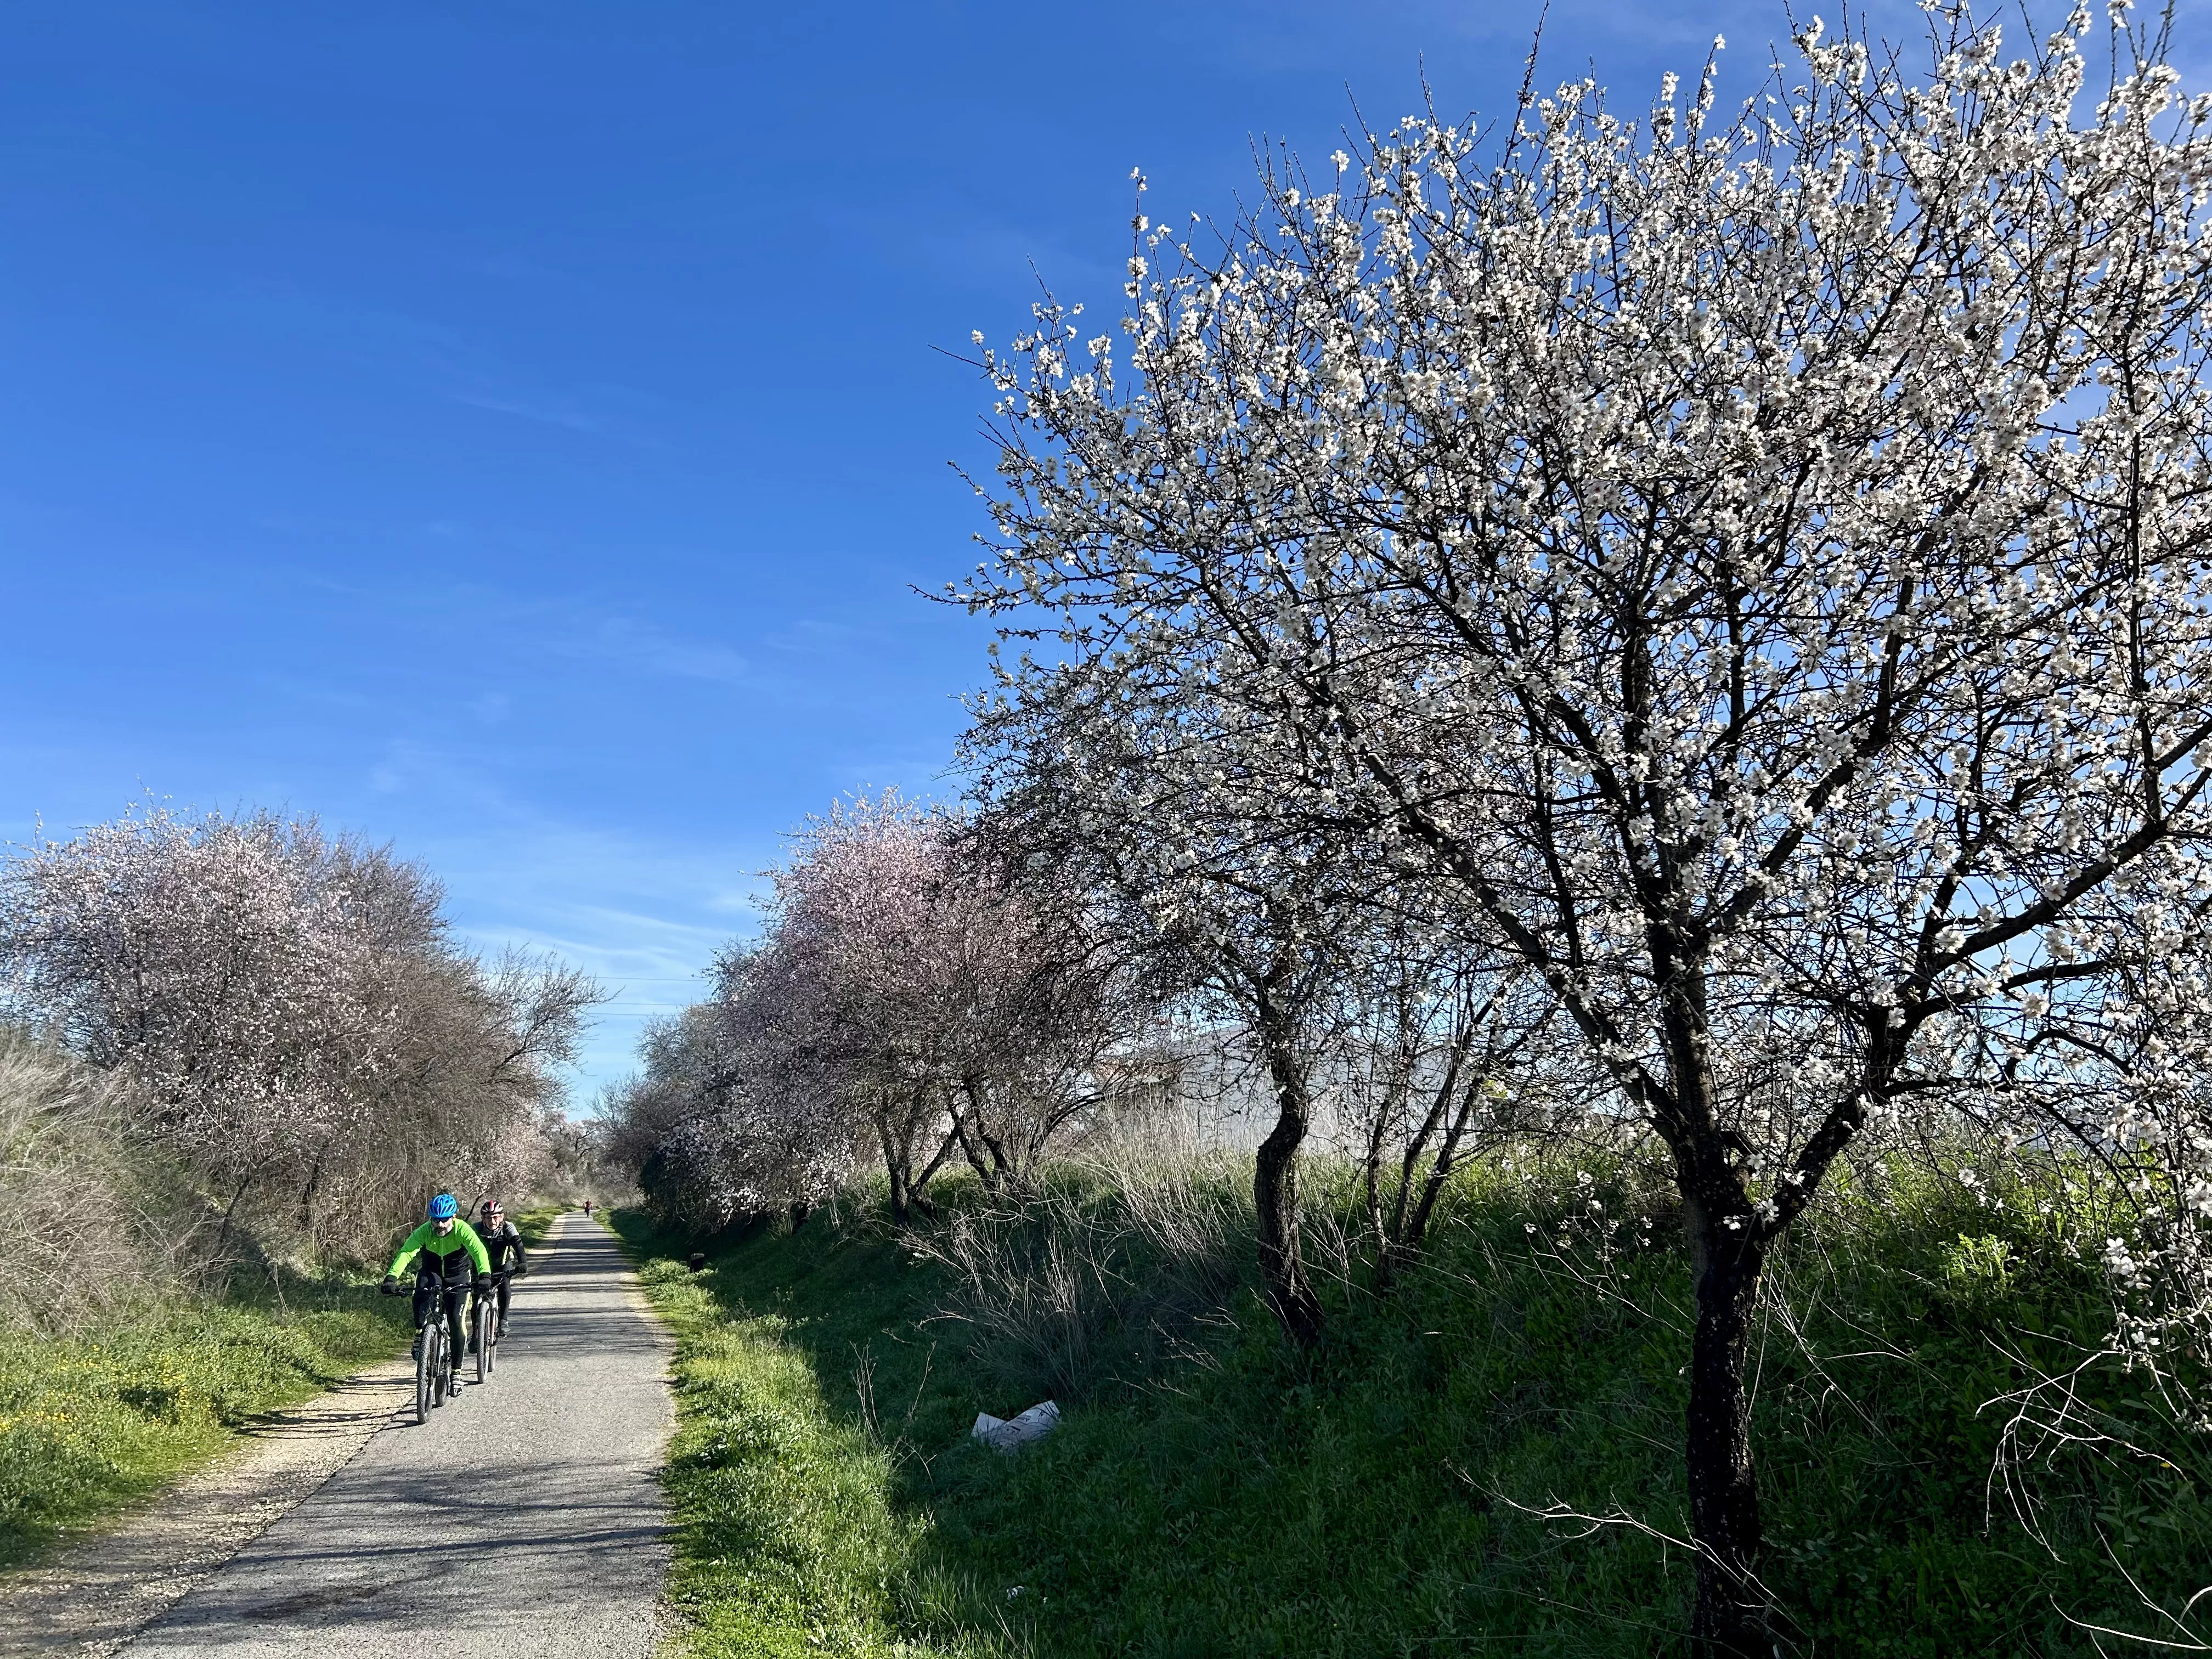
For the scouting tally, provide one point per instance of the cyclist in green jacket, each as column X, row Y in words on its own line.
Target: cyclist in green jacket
column 449, row 1249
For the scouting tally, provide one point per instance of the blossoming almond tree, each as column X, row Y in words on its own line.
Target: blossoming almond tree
column 738, row 1111
column 211, row 961
column 1758, row 566
column 913, row 989
column 855, row 920
column 293, row 1010
column 1166, row 804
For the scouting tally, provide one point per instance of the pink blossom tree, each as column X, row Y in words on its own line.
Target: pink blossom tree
column 912, row 992
column 212, row 961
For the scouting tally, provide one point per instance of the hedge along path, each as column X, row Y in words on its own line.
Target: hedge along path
column 98, row 1593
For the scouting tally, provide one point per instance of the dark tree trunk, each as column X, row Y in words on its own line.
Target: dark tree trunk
column 992, row 1174
column 1275, row 1193
column 896, row 1167
column 918, row 1191
column 910, row 1196
column 222, row 1233
column 1411, row 1230
column 968, row 1151
column 307, row 1196
column 1370, row 1187
column 1732, row 1618
column 1002, row 1167
column 1728, row 1249
column 999, row 1162
column 1403, row 1235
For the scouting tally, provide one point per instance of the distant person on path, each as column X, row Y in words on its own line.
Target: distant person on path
column 588, row 1209
column 449, row 1247
column 501, row 1240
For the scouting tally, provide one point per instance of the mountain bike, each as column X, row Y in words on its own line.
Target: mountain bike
column 435, row 1379
column 484, row 1327
column 432, row 1373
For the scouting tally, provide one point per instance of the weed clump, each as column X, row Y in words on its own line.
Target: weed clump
column 1100, row 1279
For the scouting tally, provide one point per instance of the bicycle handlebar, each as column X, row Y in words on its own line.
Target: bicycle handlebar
column 402, row 1287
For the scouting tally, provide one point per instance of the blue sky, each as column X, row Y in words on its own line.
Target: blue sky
column 512, row 430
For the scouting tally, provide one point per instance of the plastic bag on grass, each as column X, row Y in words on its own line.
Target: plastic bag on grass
column 1007, row 1434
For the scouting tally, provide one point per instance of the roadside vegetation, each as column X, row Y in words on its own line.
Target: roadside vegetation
column 1487, row 1460
column 1674, row 641
column 93, row 1421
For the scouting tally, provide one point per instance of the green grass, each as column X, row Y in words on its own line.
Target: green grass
column 90, row 1423
column 1375, row 1499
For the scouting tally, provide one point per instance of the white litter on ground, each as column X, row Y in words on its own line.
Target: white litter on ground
column 1006, row 1434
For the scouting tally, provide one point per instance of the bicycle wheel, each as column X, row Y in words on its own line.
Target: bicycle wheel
column 443, row 1387
column 483, row 1342
column 492, row 1337
column 426, row 1376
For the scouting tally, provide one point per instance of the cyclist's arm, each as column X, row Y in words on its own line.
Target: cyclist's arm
column 409, row 1250
column 514, row 1244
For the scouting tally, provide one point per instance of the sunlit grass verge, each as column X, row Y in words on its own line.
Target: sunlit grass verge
column 790, row 1540
column 90, row 1423
column 1213, row 1493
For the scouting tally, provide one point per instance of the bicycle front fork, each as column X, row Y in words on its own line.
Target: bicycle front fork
column 427, row 1294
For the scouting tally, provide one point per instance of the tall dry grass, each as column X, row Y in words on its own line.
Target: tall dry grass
column 83, row 1230
column 1105, row 1273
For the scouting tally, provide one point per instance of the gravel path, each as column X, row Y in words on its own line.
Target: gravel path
column 524, row 1518
column 94, row 1595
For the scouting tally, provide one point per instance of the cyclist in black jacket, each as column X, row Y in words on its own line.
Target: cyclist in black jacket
column 500, row 1241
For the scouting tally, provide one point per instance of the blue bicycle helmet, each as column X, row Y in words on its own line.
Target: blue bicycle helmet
column 442, row 1207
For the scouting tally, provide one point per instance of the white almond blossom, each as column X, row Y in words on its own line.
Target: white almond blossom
column 911, row 997
column 1756, row 567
